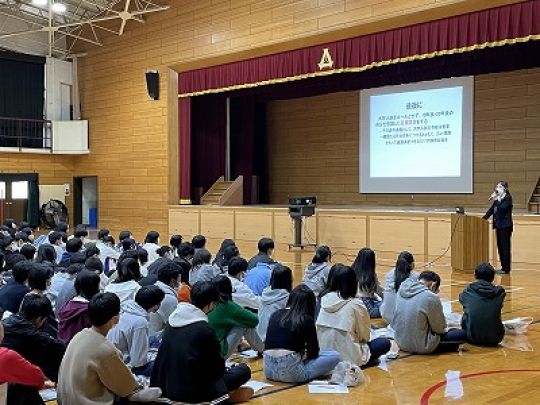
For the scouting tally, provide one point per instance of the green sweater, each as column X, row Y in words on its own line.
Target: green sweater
column 226, row 316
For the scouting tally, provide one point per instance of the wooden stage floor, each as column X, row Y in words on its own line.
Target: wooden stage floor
column 509, row 374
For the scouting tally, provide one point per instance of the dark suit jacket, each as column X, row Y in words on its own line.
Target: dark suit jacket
column 502, row 213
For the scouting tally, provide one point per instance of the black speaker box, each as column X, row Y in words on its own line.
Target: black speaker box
column 152, row 85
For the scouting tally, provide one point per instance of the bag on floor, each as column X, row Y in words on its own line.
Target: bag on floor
column 347, row 374
column 517, row 326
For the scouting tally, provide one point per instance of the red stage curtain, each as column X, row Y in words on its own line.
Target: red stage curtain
column 184, row 150
column 488, row 28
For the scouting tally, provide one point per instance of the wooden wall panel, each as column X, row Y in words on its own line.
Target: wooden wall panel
column 426, row 235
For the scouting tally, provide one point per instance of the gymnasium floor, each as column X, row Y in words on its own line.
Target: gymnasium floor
column 508, row 374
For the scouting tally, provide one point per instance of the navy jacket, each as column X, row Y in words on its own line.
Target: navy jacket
column 11, row 296
column 502, row 213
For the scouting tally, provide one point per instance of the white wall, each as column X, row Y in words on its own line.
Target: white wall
column 58, row 73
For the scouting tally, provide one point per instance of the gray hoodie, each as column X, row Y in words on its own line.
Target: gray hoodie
column 271, row 301
column 389, row 296
column 130, row 335
column 418, row 318
column 204, row 272
column 316, row 276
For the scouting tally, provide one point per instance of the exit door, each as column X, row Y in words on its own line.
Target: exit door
column 14, row 195
column 19, row 197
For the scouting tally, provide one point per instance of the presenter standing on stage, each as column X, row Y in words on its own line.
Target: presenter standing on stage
column 501, row 209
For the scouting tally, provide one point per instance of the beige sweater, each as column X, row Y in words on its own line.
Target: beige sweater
column 92, row 372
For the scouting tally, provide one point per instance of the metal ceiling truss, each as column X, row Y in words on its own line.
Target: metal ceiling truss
column 81, row 21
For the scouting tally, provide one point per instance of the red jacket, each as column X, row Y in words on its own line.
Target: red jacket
column 16, row 369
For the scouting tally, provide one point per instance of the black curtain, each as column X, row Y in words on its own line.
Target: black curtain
column 208, row 131
column 22, row 86
column 248, row 148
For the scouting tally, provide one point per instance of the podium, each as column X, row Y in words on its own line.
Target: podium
column 470, row 242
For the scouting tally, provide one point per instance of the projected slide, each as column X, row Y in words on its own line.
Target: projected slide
column 417, row 138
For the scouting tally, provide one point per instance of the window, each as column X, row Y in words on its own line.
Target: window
column 2, row 190
column 19, row 190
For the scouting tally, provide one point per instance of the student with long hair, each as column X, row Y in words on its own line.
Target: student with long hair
column 201, row 269
column 232, row 322
column 126, row 284
column 395, row 277
column 292, row 351
column 369, row 289
column 316, row 272
column 218, row 259
column 344, row 324
column 274, row 297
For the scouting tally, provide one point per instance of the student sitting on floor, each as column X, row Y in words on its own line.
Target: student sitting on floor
column 165, row 257
column 131, row 335
column 199, row 242
column 219, row 258
column 229, row 253
column 14, row 291
column 241, row 293
column 23, row 377
column 23, row 334
column 201, row 269
column 482, row 304
column 175, row 242
column 194, row 371
column 73, row 317
column 266, row 248
column 258, row 278
column 369, row 288
column 292, row 349
column 316, row 272
column 402, row 271
column 274, row 297
column 232, row 322
column 151, row 245
column 168, row 280
column 92, row 371
column 343, row 324
column 184, row 288
column 419, row 322
column 73, row 246
column 126, row 284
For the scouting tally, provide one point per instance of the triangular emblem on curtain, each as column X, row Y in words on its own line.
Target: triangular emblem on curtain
column 326, row 60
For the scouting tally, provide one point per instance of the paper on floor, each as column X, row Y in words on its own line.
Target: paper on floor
column 257, row 385
column 323, row 387
column 249, row 354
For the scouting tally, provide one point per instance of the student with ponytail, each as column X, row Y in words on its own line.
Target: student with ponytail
column 394, row 278
column 316, row 272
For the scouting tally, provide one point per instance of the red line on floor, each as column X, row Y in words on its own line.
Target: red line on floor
column 431, row 390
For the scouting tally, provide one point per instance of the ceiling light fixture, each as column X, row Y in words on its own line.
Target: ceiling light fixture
column 59, row 8
column 40, row 2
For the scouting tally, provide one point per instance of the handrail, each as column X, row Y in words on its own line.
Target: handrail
column 25, row 133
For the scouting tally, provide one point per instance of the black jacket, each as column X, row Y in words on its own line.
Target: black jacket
column 189, row 367
column 259, row 258
column 11, row 296
column 502, row 213
column 35, row 345
column 482, row 304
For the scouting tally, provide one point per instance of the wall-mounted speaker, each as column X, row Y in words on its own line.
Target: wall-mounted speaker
column 152, row 84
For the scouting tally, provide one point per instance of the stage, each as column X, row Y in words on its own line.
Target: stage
column 424, row 231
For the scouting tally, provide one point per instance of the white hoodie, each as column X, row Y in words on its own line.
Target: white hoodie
column 344, row 326
column 185, row 314
column 151, row 248
column 243, row 295
column 125, row 291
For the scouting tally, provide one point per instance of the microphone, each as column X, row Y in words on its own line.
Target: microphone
column 493, row 196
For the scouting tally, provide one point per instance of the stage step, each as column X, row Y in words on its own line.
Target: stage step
column 534, row 200
column 224, row 193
